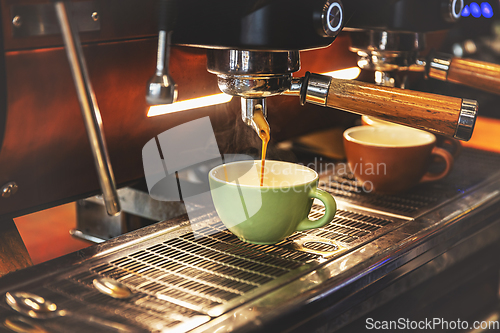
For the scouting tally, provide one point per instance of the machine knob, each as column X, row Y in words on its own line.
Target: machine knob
column 330, row 18
column 451, row 9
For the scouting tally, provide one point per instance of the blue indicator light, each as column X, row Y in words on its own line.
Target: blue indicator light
column 466, row 11
column 486, row 10
column 475, row 10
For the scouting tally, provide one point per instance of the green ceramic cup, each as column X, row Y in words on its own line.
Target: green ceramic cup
column 270, row 213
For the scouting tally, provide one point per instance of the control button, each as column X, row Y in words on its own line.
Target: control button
column 329, row 21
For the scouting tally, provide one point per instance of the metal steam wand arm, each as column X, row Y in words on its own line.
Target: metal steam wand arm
column 90, row 110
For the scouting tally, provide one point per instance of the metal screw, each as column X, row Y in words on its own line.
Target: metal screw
column 95, row 16
column 17, row 21
column 8, row 189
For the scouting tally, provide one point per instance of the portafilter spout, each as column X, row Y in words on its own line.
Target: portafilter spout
column 248, row 108
column 162, row 88
column 253, row 76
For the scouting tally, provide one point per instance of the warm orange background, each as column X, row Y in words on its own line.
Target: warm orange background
column 486, row 135
column 46, row 233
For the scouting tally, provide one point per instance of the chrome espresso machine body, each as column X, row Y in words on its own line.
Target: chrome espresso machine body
column 428, row 253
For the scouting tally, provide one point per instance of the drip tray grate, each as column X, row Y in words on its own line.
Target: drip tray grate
column 178, row 279
column 176, row 282
column 204, row 269
column 202, row 272
column 346, row 227
column 320, row 246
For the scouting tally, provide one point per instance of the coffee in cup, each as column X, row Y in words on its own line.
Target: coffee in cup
column 393, row 159
column 269, row 213
column 452, row 145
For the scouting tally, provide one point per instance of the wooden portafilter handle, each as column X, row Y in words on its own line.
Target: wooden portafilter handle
column 468, row 72
column 448, row 116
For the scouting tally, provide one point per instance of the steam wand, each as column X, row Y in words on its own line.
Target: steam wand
column 162, row 88
column 90, row 110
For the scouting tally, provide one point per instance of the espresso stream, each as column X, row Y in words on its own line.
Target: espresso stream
column 264, row 135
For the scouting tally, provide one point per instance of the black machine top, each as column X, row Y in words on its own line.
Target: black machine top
column 402, row 15
column 270, row 25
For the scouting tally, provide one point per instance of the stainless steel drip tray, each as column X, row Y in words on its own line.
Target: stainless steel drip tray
column 181, row 279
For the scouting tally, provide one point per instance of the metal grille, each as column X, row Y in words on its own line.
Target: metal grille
column 348, row 188
column 77, row 295
column 346, row 227
column 142, row 309
column 187, row 276
column 176, row 281
column 200, row 273
column 202, row 270
column 320, row 246
column 471, row 167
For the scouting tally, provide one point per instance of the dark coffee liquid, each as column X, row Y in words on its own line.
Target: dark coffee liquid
column 264, row 135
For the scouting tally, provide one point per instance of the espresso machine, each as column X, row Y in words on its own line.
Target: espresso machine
column 427, row 253
column 254, row 67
